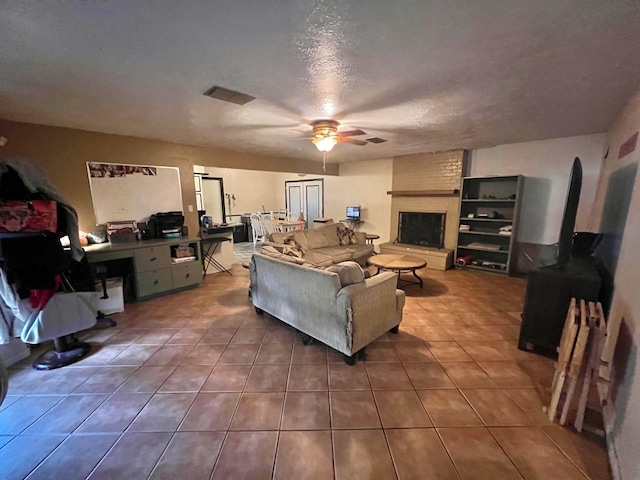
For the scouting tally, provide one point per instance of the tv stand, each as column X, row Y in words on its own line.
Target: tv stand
column 352, row 223
column 549, row 292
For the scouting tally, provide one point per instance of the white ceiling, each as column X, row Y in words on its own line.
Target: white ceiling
column 426, row 75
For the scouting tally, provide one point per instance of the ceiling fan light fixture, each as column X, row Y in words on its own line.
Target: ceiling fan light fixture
column 324, row 143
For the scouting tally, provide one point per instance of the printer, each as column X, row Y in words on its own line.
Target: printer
column 166, row 224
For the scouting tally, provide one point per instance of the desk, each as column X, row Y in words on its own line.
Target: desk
column 291, row 225
column 217, row 249
column 153, row 265
column 352, row 223
column 209, row 248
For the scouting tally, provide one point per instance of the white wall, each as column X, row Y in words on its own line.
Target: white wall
column 546, row 164
column 625, row 308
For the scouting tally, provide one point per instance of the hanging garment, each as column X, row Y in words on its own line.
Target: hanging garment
column 36, row 181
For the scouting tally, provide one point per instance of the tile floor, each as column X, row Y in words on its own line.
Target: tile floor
column 196, row 385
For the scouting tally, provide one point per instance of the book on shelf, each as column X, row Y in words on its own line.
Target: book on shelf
column 484, row 246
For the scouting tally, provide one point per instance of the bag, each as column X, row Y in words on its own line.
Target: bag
column 29, row 216
column 64, row 314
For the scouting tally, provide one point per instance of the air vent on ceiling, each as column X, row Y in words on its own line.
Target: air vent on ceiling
column 376, row 140
column 226, row 95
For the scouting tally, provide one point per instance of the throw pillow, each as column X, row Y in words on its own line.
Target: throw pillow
column 343, row 236
column 292, row 251
column 290, row 240
column 352, row 236
column 349, row 272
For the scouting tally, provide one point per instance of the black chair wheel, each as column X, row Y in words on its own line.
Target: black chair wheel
column 306, row 339
column 394, row 329
column 259, row 311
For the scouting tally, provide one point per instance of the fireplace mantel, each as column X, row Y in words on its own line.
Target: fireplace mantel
column 422, row 193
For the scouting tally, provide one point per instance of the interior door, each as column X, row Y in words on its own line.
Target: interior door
column 306, row 196
column 213, row 198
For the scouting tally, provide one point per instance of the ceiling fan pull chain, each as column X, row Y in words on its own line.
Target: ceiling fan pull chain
column 324, row 157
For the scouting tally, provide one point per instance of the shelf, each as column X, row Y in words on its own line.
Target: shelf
column 485, row 269
column 485, row 233
column 422, row 193
column 474, row 219
column 23, row 234
column 483, row 249
column 489, row 200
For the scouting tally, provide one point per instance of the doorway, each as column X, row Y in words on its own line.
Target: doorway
column 213, row 198
column 306, row 197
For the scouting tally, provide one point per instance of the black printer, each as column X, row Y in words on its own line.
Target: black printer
column 166, row 224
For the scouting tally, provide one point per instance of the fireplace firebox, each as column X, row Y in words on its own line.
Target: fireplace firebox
column 421, row 228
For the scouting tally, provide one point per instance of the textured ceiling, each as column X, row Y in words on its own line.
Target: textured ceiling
column 426, row 75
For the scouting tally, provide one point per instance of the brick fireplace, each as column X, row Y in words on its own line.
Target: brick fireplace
column 428, row 182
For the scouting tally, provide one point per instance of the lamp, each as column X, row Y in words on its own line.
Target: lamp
column 324, row 143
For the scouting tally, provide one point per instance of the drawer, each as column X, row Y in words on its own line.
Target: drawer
column 184, row 274
column 154, row 281
column 152, row 258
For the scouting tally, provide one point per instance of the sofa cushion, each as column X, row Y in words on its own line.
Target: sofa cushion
column 349, row 272
column 298, row 236
column 324, row 236
column 318, row 258
column 278, row 253
column 338, row 254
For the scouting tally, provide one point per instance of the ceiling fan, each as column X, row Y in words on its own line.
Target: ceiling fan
column 326, row 135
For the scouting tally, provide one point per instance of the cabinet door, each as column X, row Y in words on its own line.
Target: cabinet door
column 185, row 274
column 152, row 258
column 154, row 281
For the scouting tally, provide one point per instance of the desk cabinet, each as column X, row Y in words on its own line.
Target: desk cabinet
column 157, row 268
column 154, row 282
column 152, row 258
column 157, row 273
column 185, row 274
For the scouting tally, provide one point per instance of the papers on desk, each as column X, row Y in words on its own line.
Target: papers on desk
column 183, row 259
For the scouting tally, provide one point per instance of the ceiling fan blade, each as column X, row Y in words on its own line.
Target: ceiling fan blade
column 351, row 133
column 353, row 141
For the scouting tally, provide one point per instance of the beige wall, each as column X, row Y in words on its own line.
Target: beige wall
column 63, row 153
column 252, row 189
column 625, row 308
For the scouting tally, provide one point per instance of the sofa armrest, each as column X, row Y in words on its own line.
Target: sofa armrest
column 373, row 307
column 361, row 237
column 400, row 299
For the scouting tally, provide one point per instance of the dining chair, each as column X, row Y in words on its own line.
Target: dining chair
column 257, row 228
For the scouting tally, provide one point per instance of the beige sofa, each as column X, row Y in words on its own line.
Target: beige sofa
column 321, row 246
column 336, row 305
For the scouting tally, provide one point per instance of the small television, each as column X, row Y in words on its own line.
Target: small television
column 353, row 213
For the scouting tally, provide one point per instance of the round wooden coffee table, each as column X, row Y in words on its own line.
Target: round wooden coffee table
column 398, row 263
